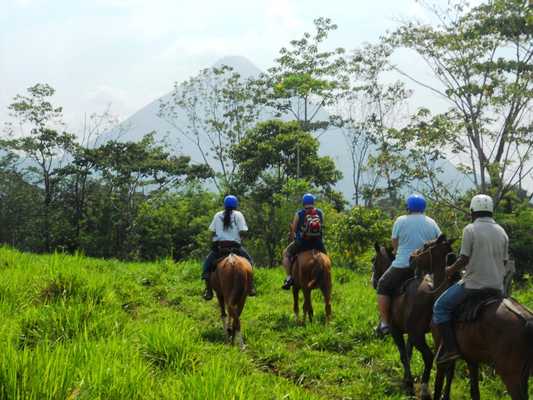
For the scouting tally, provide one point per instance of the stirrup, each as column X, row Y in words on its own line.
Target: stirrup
column 447, row 356
column 208, row 294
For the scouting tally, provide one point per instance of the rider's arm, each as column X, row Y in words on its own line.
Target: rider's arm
column 395, row 245
column 294, row 224
column 457, row 266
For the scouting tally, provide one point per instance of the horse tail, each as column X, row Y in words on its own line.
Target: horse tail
column 318, row 270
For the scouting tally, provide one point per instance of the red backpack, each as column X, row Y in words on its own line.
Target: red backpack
column 312, row 226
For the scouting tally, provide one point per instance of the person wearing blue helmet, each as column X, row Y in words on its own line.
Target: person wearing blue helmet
column 409, row 233
column 227, row 227
column 306, row 230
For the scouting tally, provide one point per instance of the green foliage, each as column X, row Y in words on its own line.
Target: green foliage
column 174, row 225
column 355, row 233
column 519, row 229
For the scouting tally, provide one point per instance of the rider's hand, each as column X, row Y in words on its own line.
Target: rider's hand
column 450, row 271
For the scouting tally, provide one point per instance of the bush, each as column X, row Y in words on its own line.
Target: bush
column 174, row 225
column 354, row 234
column 519, row 227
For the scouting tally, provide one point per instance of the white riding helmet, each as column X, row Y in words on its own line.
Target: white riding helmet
column 481, row 202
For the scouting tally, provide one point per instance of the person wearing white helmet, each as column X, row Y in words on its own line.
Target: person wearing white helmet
column 484, row 253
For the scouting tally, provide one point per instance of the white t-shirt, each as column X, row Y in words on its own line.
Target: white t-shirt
column 238, row 224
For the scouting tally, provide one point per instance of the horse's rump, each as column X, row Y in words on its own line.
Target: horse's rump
column 234, row 277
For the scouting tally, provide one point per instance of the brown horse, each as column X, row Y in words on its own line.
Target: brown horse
column 412, row 308
column 501, row 336
column 231, row 281
column 311, row 270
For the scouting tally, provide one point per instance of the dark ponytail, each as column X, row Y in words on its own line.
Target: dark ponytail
column 227, row 218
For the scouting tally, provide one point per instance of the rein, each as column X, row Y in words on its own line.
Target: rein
column 444, row 283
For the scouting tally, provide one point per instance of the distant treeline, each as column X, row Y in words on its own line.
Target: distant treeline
column 110, row 198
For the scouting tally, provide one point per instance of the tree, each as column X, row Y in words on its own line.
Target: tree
column 368, row 115
column 306, row 79
column 42, row 143
column 19, row 202
column 131, row 172
column 482, row 56
column 213, row 110
column 267, row 164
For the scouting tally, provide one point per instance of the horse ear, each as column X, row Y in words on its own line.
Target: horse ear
column 441, row 238
column 376, row 247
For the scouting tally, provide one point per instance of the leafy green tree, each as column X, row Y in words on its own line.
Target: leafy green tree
column 174, row 225
column 42, row 143
column 356, row 232
column 306, row 79
column 130, row 172
column 212, row 111
column 267, row 163
column 19, row 205
column 482, row 57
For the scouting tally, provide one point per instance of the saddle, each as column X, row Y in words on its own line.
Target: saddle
column 476, row 300
column 223, row 250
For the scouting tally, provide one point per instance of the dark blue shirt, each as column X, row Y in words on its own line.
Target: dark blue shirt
column 299, row 226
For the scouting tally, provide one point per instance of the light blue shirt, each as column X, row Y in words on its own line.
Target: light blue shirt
column 412, row 231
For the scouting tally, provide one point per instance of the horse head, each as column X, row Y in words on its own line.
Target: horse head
column 380, row 262
column 433, row 257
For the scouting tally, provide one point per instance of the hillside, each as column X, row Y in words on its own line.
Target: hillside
column 80, row 328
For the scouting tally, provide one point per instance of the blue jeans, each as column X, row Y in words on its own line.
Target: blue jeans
column 447, row 303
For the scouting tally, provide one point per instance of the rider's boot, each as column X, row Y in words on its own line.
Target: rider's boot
column 289, row 281
column 208, row 292
column 252, row 291
column 448, row 350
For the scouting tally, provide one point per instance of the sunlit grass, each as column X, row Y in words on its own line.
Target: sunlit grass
column 80, row 328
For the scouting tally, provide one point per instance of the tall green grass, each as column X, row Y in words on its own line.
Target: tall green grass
column 80, row 328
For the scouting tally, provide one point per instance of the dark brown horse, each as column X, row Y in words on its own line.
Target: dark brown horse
column 311, row 270
column 412, row 308
column 502, row 336
column 231, row 281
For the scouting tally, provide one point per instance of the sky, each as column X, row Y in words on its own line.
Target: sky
column 127, row 53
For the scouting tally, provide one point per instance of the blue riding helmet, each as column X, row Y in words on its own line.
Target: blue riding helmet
column 308, row 199
column 416, row 203
column 231, row 201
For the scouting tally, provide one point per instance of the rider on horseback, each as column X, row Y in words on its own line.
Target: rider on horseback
column 227, row 227
column 409, row 233
column 306, row 229
column 484, row 253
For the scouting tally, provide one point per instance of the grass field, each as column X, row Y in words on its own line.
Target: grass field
column 80, row 328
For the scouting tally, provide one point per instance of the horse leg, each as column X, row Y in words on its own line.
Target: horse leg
column 422, row 346
column 308, row 306
column 439, row 381
column 295, row 294
column 400, row 344
column 237, row 325
column 448, row 371
column 514, row 383
column 473, row 372
column 220, row 299
column 326, row 292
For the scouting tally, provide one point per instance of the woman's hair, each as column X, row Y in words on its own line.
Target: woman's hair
column 227, row 218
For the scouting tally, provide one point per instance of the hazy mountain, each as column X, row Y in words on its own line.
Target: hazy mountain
column 332, row 141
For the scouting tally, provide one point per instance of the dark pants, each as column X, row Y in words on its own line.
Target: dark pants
column 214, row 255
column 393, row 279
column 300, row 245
